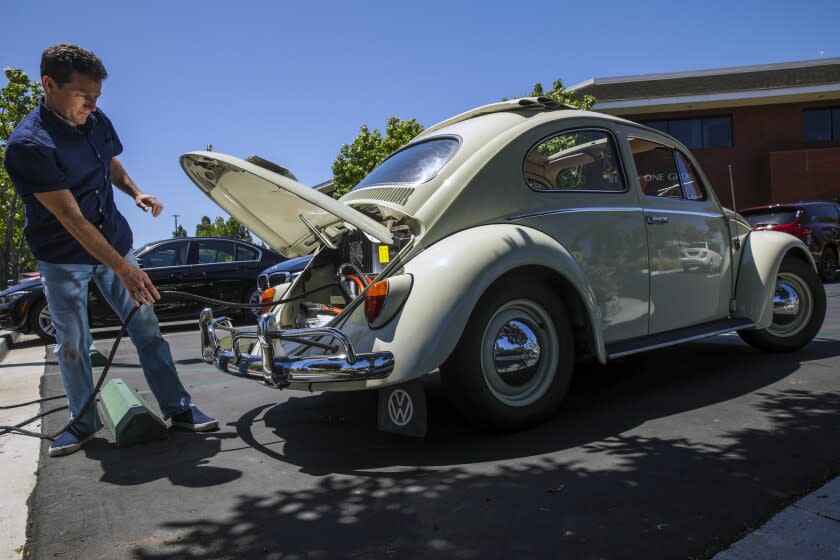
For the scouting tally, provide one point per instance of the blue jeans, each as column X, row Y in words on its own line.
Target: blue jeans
column 66, row 288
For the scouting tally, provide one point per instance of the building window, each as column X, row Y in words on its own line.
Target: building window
column 706, row 132
column 821, row 125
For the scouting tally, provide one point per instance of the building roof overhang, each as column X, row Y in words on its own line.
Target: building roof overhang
column 791, row 82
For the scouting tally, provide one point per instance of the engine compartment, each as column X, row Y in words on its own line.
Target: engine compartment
column 336, row 278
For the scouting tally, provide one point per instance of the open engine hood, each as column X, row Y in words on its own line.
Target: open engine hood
column 291, row 218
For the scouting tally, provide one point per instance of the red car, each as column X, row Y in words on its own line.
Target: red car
column 815, row 222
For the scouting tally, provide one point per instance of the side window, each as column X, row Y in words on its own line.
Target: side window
column 245, row 253
column 657, row 168
column 168, row 254
column 582, row 160
column 825, row 215
column 691, row 185
column 214, row 251
column 666, row 172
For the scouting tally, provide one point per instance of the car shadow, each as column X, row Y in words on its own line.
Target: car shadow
column 623, row 493
column 337, row 433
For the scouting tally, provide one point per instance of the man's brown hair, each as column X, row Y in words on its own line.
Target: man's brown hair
column 60, row 61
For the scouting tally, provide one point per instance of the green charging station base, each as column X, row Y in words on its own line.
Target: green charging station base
column 127, row 415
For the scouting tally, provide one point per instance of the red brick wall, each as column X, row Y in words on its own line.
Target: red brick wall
column 770, row 161
column 801, row 174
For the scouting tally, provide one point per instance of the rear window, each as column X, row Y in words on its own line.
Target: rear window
column 415, row 164
column 775, row 217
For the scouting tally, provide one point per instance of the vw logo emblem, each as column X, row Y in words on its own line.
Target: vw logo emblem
column 400, row 407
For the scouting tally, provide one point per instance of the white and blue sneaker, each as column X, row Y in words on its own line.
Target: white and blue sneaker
column 68, row 442
column 194, row 420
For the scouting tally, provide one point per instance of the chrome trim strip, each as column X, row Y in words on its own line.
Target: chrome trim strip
column 683, row 212
column 614, row 209
column 574, row 210
column 678, row 341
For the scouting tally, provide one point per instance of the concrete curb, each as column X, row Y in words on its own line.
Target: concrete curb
column 807, row 530
column 7, row 340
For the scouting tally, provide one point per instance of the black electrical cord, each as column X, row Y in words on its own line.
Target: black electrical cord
column 18, row 428
column 187, row 295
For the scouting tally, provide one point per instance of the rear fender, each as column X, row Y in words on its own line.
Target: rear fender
column 449, row 278
column 762, row 256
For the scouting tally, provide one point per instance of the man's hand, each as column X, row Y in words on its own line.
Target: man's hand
column 138, row 284
column 146, row 201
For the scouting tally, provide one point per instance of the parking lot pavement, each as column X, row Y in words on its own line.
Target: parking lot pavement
column 677, row 453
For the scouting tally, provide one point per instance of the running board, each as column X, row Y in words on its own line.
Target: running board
column 661, row 340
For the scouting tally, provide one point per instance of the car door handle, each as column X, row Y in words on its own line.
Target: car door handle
column 656, row 219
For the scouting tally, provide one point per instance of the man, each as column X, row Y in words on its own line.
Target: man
column 62, row 160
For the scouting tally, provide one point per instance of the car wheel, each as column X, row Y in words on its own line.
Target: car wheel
column 40, row 321
column 252, row 313
column 798, row 310
column 513, row 364
column 828, row 264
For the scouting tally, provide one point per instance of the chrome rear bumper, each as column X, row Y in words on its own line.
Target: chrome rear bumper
column 281, row 371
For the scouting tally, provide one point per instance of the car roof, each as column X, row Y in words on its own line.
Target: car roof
column 540, row 103
column 788, row 205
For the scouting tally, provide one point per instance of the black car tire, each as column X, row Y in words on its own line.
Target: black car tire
column 511, row 400
column 251, row 313
column 38, row 323
column 792, row 330
column 828, row 264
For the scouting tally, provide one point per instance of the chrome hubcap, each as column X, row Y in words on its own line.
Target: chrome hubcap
column 793, row 305
column 519, row 353
column 517, row 348
column 45, row 321
column 255, row 298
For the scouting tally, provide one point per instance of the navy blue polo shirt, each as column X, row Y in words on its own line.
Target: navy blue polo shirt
column 44, row 154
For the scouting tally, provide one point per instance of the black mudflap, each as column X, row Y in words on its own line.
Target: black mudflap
column 402, row 409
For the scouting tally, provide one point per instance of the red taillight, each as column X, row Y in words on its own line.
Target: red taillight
column 794, row 228
column 375, row 300
column 266, row 299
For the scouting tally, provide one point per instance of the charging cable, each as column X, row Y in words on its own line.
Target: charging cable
column 18, row 428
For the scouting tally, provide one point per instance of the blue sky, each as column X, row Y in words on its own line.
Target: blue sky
column 293, row 81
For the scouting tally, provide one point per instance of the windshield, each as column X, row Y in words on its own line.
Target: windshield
column 415, row 164
column 774, row 217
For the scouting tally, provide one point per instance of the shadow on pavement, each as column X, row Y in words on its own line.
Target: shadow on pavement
column 183, row 459
column 644, row 497
column 335, row 433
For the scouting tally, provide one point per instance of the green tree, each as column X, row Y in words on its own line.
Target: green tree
column 368, row 150
column 17, row 98
column 180, row 232
column 562, row 95
column 221, row 228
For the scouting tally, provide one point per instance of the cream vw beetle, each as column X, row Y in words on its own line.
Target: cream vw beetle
column 499, row 247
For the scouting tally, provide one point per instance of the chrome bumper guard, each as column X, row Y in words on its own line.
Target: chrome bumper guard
column 281, row 371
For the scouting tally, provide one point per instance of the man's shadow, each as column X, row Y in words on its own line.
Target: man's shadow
column 183, row 458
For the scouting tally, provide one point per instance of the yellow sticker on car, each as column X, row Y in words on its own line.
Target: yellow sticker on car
column 384, row 256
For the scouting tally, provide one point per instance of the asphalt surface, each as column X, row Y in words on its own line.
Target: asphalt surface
column 676, row 453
